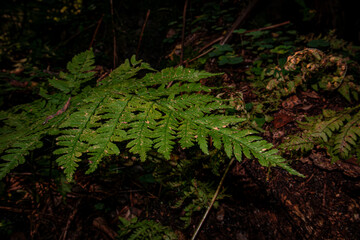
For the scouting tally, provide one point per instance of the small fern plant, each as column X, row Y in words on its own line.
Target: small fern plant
column 134, row 229
column 89, row 118
column 338, row 132
column 196, row 198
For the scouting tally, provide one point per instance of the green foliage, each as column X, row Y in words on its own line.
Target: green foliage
column 225, row 54
column 144, row 230
column 338, row 132
column 196, row 199
column 79, row 73
column 21, row 133
column 147, row 114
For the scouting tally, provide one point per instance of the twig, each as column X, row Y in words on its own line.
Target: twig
column 142, row 32
column 324, row 192
column 71, row 217
column 220, row 38
column 199, row 56
column 183, row 33
column 253, row 30
column 16, row 210
column 213, row 199
column 62, row 110
column 96, row 30
column 240, row 18
column 268, row 27
column 211, row 43
column 115, row 57
column 63, row 43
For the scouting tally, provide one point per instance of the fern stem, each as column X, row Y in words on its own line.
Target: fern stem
column 213, row 199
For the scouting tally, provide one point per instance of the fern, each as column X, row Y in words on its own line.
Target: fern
column 197, row 198
column 146, row 230
column 21, row 133
column 154, row 112
column 338, row 132
column 80, row 71
column 346, row 140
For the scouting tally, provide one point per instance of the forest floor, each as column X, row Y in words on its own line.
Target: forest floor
column 262, row 205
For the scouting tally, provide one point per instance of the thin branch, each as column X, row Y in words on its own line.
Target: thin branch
column 142, row 32
column 243, row 14
column 96, row 31
column 115, row 57
column 61, row 111
column 63, row 43
column 183, row 33
column 220, row 38
column 70, row 219
column 268, row 27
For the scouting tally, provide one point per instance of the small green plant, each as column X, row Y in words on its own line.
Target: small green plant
column 90, row 119
column 199, row 194
column 226, row 55
column 338, row 132
column 144, row 230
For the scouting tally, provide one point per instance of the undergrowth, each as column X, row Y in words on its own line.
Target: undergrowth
column 135, row 229
column 338, row 132
column 89, row 118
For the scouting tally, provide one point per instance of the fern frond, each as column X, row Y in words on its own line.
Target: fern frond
column 101, row 142
column 21, row 134
column 71, row 140
column 80, row 71
column 303, row 143
column 145, row 114
column 164, row 134
column 143, row 230
column 325, row 129
column 141, row 130
column 348, row 137
column 15, row 155
column 338, row 133
column 125, row 72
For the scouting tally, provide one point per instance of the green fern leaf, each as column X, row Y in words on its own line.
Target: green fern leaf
column 303, row 143
column 80, row 71
column 21, row 133
column 16, row 154
column 72, row 135
column 124, row 73
column 325, row 129
column 141, row 130
column 186, row 134
column 100, row 142
column 348, row 137
column 164, row 134
column 201, row 139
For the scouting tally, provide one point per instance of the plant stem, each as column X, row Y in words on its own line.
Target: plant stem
column 183, row 33
column 213, row 199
